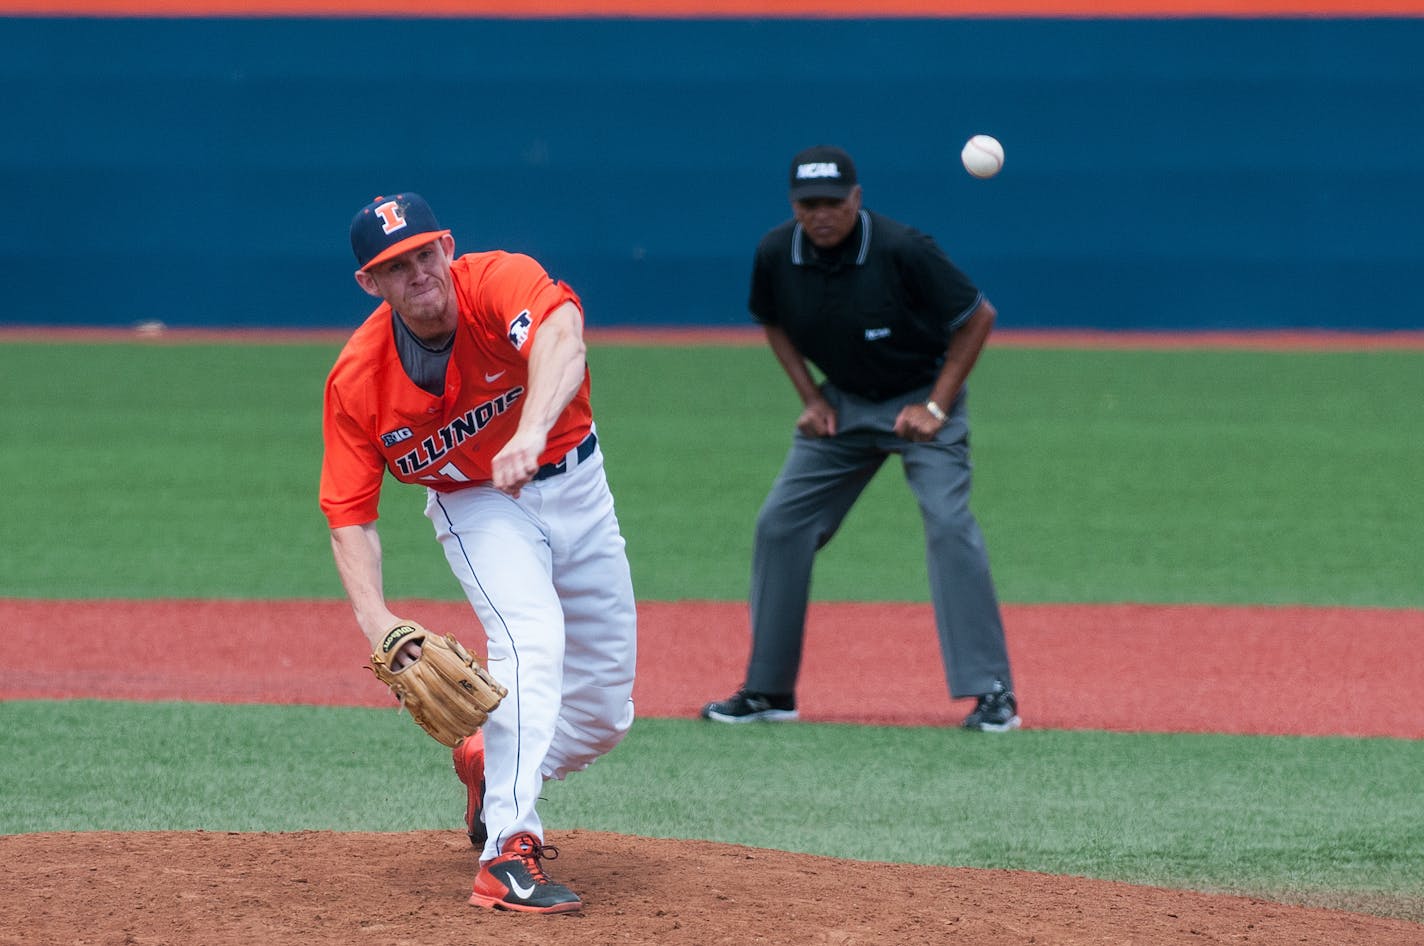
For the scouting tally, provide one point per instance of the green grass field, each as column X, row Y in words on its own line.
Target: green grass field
column 143, row 470
column 1206, row 477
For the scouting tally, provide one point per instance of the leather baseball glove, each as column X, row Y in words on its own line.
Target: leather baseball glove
column 446, row 690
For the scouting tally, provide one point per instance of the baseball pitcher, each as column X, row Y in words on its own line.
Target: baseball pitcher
column 469, row 380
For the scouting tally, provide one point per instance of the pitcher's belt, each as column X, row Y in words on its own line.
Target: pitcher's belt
column 578, row 454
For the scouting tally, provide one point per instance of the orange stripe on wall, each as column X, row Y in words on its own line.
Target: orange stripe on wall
column 668, row 9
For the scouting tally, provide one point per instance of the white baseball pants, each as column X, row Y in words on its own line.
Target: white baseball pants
column 548, row 578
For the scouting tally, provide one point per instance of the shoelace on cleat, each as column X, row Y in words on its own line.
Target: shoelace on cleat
column 532, row 855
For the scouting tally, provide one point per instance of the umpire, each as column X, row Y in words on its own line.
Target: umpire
column 895, row 328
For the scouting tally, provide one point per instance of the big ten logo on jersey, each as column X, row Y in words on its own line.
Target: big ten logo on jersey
column 392, row 216
column 396, row 436
column 519, row 329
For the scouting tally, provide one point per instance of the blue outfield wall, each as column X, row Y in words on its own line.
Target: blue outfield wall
column 1161, row 174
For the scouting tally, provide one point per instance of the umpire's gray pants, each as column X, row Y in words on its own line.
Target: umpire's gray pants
column 819, row 482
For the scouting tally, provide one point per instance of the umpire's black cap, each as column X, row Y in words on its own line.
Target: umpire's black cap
column 822, row 171
column 388, row 226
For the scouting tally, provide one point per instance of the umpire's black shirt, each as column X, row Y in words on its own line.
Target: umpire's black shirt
column 874, row 314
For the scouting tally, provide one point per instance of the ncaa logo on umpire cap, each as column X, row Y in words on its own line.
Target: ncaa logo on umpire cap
column 389, row 226
column 822, row 171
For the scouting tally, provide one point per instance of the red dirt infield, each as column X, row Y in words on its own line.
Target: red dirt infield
column 314, row 888
column 1305, row 671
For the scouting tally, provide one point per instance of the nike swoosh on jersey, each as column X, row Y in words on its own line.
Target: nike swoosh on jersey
column 492, row 378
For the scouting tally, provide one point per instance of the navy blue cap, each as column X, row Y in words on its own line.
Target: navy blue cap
column 388, row 226
column 822, row 171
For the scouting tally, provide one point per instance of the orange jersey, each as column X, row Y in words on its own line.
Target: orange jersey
column 376, row 419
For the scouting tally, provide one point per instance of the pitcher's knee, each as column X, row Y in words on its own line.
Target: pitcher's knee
column 578, row 742
column 617, row 729
column 602, row 729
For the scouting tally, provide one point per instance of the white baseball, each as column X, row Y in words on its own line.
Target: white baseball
column 983, row 156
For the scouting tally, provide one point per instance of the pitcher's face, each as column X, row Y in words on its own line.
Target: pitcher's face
column 418, row 285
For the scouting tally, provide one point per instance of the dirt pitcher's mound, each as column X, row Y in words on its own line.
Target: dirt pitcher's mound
column 320, row 888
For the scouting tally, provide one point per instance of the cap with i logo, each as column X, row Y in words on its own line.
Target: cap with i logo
column 389, row 226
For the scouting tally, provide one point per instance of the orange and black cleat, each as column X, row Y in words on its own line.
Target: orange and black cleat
column 469, row 758
column 516, row 881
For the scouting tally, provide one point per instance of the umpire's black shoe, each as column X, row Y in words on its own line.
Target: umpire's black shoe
column 744, row 706
column 997, row 711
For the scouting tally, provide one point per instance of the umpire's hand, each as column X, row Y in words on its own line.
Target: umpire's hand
column 916, row 424
column 818, row 419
